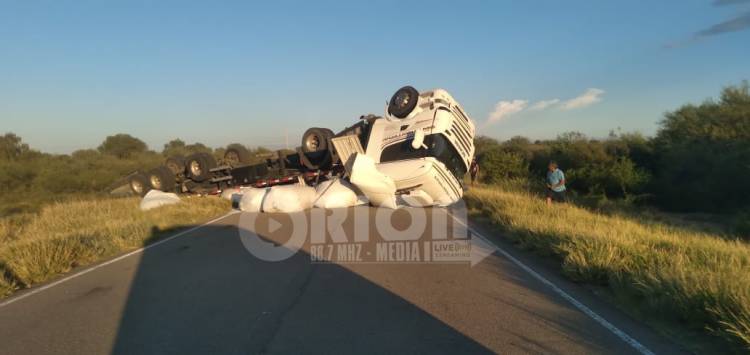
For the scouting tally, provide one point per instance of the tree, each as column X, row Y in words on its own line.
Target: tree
column 704, row 154
column 725, row 120
column 521, row 146
column 174, row 147
column 626, row 176
column 179, row 147
column 122, row 146
column 198, row 147
column 499, row 164
column 483, row 144
column 12, row 147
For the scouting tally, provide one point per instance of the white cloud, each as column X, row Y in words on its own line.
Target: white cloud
column 504, row 109
column 588, row 98
column 543, row 104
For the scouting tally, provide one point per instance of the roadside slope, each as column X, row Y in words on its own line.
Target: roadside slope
column 38, row 247
column 671, row 273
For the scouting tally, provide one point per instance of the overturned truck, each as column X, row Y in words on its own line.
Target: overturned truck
column 418, row 151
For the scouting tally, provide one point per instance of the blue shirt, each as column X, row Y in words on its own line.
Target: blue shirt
column 554, row 178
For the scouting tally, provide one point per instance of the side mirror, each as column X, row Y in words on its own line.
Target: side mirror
column 418, row 141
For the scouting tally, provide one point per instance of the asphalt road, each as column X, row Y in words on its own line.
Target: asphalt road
column 204, row 292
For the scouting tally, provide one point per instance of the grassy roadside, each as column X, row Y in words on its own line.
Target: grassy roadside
column 693, row 277
column 36, row 247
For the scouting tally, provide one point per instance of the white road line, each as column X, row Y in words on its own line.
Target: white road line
column 84, row 272
column 577, row 304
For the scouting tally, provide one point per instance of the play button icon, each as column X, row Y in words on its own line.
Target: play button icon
column 273, row 225
column 272, row 237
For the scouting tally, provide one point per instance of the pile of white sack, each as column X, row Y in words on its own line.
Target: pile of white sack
column 335, row 193
column 156, row 198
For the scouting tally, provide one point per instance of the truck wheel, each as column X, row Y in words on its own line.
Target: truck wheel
column 199, row 166
column 403, row 102
column 161, row 178
column 176, row 164
column 316, row 139
column 139, row 184
column 236, row 154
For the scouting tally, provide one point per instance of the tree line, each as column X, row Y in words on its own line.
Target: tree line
column 698, row 161
column 30, row 178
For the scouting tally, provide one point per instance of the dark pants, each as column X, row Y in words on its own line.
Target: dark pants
column 557, row 196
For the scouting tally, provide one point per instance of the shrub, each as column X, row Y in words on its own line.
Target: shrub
column 704, row 154
column 122, row 146
column 498, row 164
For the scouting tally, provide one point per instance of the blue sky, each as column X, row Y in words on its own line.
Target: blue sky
column 72, row 73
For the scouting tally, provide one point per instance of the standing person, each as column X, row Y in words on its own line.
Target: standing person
column 474, row 170
column 555, row 184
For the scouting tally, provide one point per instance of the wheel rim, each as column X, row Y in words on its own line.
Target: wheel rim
column 402, row 99
column 156, row 182
column 312, row 142
column 136, row 186
column 195, row 168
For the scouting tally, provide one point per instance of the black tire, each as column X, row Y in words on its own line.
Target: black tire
column 162, row 179
column 236, row 154
column 139, row 184
column 316, row 140
column 403, row 102
column 176, row 164
column 198, row 166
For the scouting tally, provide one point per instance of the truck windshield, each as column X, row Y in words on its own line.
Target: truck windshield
column 437, row 146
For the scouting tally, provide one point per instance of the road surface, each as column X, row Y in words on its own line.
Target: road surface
column 203, row 292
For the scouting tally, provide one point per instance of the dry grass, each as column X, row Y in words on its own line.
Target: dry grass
column 665, row 271
column 37, row 247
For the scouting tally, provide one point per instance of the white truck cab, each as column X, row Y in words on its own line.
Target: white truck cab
column 418, row 153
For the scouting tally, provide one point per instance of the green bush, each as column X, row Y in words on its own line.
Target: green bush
column 30, row 179
column 498, row 164
column 704, row 155
column 178, row 147
column 601, row 167
column 122, row 146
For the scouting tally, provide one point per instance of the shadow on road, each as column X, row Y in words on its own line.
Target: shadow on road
column 204, row 293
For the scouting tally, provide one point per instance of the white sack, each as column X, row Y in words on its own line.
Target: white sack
column 156, row 198
column 251, row 199
column 337, row 193
column 289, row 198
column 379, row 188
